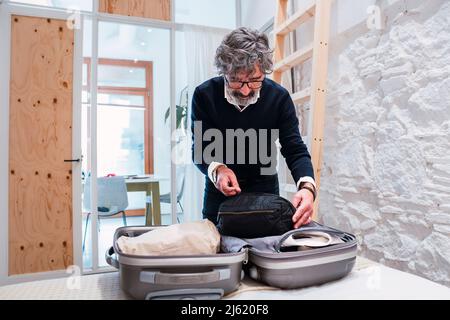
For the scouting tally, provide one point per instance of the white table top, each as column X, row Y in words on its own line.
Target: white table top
column 368, row 280
column 145, row 179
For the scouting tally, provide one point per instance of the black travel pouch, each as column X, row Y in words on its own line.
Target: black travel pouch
column 255, row 215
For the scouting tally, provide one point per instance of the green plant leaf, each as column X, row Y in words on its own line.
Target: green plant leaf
column 181, row 112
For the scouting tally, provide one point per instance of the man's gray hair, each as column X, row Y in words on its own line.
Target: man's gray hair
column 241, row 49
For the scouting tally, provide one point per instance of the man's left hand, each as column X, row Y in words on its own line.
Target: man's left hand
column 304, row 202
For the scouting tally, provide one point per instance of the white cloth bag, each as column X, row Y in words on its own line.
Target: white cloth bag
column 190, row 238
column 312, row 239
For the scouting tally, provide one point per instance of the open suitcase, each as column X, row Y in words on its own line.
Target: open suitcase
column 296, row 269
column 175, row 277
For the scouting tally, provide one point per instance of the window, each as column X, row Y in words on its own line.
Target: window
column 220, row 14
column 83, row 5
column 125, row 124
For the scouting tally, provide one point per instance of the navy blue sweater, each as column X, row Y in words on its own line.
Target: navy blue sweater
column 273, row 110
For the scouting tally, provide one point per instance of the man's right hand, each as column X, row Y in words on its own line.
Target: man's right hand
column 227, row 182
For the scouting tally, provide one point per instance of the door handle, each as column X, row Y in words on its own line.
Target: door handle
column 73, row 160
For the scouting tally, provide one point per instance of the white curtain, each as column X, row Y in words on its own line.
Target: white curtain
column 201, row 45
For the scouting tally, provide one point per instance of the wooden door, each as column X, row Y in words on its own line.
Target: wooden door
column 153, row 9
column 40, row 139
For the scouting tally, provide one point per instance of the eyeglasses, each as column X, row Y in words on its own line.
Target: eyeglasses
column 239, row 84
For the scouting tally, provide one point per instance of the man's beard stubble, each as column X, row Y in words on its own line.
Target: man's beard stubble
column 242, row 100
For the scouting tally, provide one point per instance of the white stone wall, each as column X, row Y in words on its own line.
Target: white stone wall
column 386, row 172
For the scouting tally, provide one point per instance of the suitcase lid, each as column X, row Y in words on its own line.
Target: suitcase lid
column 346, row 249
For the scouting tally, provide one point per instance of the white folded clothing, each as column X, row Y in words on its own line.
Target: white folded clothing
column 311, row 239
column 190, row 238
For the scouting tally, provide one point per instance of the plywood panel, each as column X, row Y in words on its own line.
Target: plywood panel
column 153, row 9
column 40, row 182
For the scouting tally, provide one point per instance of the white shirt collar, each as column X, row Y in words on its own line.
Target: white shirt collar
column 232, row 100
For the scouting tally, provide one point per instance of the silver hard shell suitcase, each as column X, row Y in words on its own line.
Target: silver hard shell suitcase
column 175, row 277
column 296, row 269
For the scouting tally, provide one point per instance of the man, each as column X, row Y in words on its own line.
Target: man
column 247, row 104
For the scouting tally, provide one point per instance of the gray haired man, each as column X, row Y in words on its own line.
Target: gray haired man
column 243, row 105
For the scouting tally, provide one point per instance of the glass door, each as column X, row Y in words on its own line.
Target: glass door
column 132, row 134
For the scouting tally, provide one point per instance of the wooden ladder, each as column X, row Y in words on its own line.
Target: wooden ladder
column 318, row 51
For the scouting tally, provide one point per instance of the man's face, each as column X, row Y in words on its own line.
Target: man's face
column 244, row 85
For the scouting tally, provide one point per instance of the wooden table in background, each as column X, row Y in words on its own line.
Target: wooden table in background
column 151, row 186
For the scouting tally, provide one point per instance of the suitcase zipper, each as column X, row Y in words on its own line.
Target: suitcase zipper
column 247, row 212
column 245, row 261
